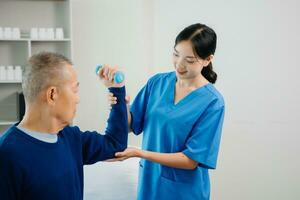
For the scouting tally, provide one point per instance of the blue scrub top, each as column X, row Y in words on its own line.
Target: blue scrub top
column 192, row 126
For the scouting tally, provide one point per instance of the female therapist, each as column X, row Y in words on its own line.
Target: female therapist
column 181, row 115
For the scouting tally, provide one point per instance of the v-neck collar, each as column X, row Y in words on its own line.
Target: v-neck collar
column 188, row 97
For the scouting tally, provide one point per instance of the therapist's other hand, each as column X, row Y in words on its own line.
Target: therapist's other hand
column 106, row 74
column 112, row 100
column 130, row 152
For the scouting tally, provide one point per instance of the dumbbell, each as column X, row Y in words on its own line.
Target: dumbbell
column 118, row 76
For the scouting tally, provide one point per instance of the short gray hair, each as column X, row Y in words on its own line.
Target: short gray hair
column 43, row 70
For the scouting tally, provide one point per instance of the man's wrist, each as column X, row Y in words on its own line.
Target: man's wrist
column 117, row 90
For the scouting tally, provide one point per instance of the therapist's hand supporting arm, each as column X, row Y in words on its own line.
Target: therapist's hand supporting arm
column 176, row 160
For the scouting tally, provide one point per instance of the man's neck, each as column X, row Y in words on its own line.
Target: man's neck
column 42, row 122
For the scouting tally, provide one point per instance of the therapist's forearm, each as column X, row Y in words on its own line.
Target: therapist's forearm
column 176, row 160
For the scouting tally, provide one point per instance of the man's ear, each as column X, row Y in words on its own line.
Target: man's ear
column 52, row 95
column 208, row 60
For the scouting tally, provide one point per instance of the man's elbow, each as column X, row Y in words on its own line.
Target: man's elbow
column 121, row 147
column 117, row 145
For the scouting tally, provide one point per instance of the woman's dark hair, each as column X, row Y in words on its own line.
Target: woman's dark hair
column 204, row 41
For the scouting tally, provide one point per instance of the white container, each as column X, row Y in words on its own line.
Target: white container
column 34, row 33
column 7, row 33
column 18, row 73
column 50, row 33
column 42, row 34
column 10, row 73
column 1, row 33
column 59, row 33
column 16, row 34
column 2, row 73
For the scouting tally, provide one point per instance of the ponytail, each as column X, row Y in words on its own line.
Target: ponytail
column 209, row 74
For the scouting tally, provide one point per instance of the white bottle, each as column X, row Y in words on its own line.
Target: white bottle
column 18, row 73
column 16, row 33
column 2, row 73
column 7, row 33
column 50, row 33
column 42, row 34
column 10, row 73
column 34, row 33
column 1, row 33
column 59, row 33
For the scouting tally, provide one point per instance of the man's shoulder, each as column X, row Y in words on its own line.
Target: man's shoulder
column 70, row 132
column 70, row 129
column 8, row 137
column 9, row 144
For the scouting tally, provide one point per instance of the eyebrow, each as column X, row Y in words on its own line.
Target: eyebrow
column 186, row 56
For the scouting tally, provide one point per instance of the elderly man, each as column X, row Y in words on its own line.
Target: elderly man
column 42, row 157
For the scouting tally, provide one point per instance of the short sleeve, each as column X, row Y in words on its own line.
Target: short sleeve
column 204, row 141
column 139, row 106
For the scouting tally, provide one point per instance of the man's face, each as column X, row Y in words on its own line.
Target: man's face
column 67, row 98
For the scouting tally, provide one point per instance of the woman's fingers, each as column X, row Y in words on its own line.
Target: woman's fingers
column 127, row 99
column 119, row 154
column 111, row 73
column 111, row 99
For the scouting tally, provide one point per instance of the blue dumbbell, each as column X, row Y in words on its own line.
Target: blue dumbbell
column 118, row 76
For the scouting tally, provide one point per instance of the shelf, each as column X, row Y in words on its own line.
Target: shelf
column 28, row 14
column 35, row 40
column 53, row 40
column 13, row 40
column 5, row 123
column 10, row 81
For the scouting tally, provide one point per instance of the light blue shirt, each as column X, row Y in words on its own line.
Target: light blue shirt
column 192, row 126
column 44, row 137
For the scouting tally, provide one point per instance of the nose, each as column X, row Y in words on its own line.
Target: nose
column 180, row 64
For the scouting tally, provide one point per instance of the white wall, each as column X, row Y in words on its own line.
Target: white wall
column 256, row 60
column 112, row 32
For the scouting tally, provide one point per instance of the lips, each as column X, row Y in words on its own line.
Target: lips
column 181, row 72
